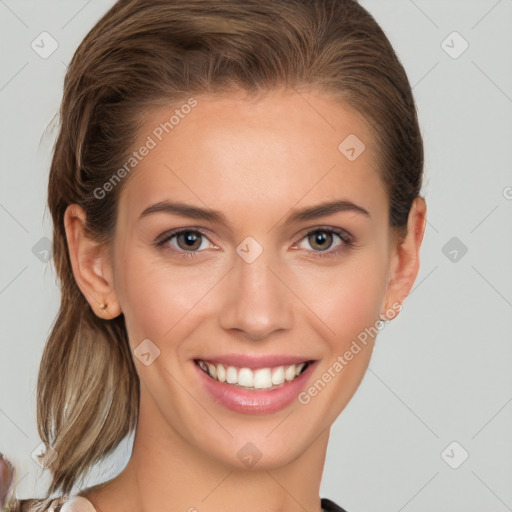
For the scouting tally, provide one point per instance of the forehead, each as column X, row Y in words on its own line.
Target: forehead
column 281, row 148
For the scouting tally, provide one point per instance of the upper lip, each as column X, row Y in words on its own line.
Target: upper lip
column 255, row 361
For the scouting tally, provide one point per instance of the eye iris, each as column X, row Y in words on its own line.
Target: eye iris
column 321, row 237
column 190, row 237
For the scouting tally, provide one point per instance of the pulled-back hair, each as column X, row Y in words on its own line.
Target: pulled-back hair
column 143, row 54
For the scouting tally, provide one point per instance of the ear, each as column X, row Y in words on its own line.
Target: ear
column 91, row 264
column 405, row 260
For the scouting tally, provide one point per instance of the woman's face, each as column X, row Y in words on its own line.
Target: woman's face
column 258, row 284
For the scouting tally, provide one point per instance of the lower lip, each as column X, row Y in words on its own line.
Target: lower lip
column 258, row 401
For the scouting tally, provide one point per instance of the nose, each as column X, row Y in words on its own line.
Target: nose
column 256, row 299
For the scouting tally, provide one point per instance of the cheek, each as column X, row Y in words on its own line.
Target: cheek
column 347, row 297
column 350, row 308
column 146, row 299
column 158, row 299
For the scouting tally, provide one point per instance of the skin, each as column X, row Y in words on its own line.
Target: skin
column 256, row 162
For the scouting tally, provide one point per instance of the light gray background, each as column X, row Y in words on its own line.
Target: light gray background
column 440, row 371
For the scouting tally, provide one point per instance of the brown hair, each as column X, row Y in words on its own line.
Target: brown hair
column 146, row 53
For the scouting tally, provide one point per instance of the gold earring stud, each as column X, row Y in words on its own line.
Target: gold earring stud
column 103, row 307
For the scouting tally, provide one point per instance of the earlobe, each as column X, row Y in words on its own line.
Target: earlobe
column 91, row 265
column 406, row 260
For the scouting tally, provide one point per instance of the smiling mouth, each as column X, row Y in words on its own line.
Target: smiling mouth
column 256, row 378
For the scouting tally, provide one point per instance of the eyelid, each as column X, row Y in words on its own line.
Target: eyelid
column 162, row 241
column 341, row 232
column 164, row 237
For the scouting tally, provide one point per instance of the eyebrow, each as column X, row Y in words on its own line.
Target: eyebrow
column 217, row 217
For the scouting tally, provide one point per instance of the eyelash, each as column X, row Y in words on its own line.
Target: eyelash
column 347, row 240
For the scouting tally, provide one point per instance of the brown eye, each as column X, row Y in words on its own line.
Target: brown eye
column 320, row 240
column 189, row 240
column 187, row 243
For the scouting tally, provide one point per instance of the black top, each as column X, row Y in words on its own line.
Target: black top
column 330, row 506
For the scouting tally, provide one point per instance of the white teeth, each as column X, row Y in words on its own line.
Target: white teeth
column 262, row 378
column 245, row 378
column 212, row 370
column 289, row 373
column 231, row 375
column 278, row 376
column 221, row 373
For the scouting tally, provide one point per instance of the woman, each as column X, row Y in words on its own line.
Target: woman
column 235, row 191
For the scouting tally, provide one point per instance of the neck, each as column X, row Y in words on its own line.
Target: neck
column 167, row 473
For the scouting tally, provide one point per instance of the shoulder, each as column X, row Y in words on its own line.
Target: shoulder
column 330, row 506
column 72, row 503
column 35, row 505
